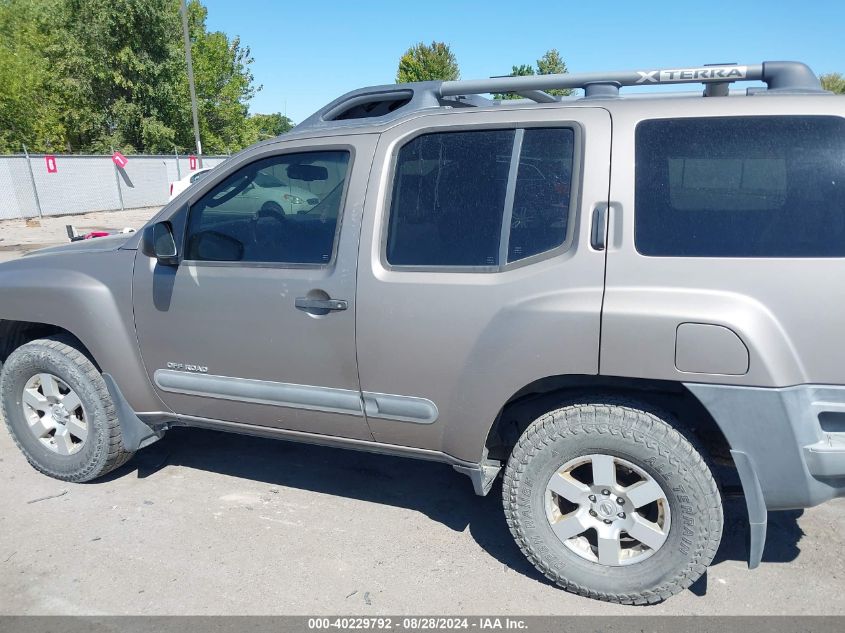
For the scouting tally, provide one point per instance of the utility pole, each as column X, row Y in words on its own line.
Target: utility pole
column 32, row 180
column 187, row 36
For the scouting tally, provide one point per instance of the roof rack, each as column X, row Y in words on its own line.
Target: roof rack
column 380, row 104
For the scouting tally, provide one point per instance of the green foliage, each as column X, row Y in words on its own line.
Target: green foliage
column 224, row 85
column 29, row 108
column 835, row 82
column 425, row 63
column 270, row 125
column 522, row 70
column 89, row 75
column 516, row 71
column 116, row 66
column 550, row 63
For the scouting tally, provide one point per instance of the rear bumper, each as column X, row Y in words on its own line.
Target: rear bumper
column 826, row 460
column 788, row 446
column 794, row 438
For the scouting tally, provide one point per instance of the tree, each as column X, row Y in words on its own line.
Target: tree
column 224, row 85
column 522, row 70
column 270, row 125
column 89, row 75
column 835, row 82
column 29, row 109
column 551, row 63
column 117, row 67
column 425, row 63
column 516, row 71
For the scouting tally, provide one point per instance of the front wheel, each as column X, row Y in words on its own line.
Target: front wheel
column 59, row 411
column 609, row 501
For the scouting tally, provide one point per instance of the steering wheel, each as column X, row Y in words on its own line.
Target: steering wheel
column 268, row 211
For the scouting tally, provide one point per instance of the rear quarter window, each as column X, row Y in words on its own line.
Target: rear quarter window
column 770, row 186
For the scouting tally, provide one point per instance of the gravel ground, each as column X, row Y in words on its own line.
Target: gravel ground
column 209, row 523
column 18, row 236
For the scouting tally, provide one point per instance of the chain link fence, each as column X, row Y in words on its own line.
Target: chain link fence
column 30, row 188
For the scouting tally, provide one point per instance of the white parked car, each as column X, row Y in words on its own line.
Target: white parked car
column 178, row 186
column 265, row 191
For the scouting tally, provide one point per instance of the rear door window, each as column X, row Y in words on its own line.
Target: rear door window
column 480, row 199
column 540, row 218
column 448, row 199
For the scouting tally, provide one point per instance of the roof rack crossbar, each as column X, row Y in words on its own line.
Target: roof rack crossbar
column 538, row 96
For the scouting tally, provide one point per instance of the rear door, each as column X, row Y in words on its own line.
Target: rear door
column 476, row 272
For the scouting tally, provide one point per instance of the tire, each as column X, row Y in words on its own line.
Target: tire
column 91, row 442
column 274, row 207
column 574, row 445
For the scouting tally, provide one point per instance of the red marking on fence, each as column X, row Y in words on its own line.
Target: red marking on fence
column 119, row 159
column 51, row 164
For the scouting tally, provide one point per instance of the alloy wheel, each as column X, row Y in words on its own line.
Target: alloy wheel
column 607, row 510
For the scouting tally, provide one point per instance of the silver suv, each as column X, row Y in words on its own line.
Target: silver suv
column 625, row 303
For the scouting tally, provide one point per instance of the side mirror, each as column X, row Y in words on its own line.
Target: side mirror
column 158, row 241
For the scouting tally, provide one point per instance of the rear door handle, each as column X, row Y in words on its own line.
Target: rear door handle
column 331, row 305
column 598, row 232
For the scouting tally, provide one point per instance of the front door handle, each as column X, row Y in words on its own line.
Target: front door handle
column 328, row 305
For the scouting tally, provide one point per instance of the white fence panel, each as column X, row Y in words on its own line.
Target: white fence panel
column 144, row 182
column 82, row 184
column 17, row 199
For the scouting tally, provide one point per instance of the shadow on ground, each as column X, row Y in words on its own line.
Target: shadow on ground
column 431, row 488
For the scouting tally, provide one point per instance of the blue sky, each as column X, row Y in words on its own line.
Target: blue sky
column 307, row 53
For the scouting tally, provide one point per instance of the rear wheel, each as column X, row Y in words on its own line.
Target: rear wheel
column 611, row 502
column 59, row 411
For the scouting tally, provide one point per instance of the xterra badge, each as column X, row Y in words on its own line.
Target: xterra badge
column 707, row 73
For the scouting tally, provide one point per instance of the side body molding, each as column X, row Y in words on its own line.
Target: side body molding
column 376, row 405
column 260, row 391
column 387, row 406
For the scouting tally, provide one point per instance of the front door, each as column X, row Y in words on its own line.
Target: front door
column 256, row 325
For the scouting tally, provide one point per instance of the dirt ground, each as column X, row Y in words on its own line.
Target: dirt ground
column 19, row 236
column 211, row 523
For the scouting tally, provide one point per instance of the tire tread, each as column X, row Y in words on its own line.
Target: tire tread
column 117, row 455
column 629, row 420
